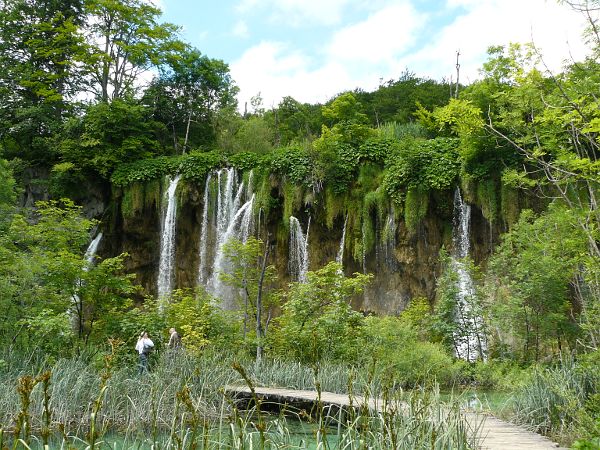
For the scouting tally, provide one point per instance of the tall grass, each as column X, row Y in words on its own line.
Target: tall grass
column 180, row 404
column 559, row 401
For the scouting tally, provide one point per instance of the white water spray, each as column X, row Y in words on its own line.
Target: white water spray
column 340, row 254
column 470, row 341
column 167, row 242
column 298, row 260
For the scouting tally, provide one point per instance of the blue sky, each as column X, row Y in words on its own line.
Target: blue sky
column 314, row 49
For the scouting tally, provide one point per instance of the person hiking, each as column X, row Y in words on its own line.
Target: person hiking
column 174, row 339
column 144, row 346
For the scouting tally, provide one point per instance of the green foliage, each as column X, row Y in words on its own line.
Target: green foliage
column 196, row 165
column 293, row 163
column 394, row 344
column 110, row 135
column 254, row 135
column 487, row 198
column 193, row 166
column 400, row 131
column 125, row 34
column 561, row 401
column 199, row 320
column 317, row 321
column 397, row 100
column 422, row 164
column 376, row 149
column 244, row 161
column 145, row 169
column 190, row 96
column 252, row 280
column 7, row 185
column 416, row 205
column 529, row 277
column 45, row 276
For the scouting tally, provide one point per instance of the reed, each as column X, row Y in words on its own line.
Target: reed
column 180, row 404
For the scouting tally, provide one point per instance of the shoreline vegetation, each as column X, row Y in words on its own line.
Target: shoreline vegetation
column 180, row 403
column 181, row 400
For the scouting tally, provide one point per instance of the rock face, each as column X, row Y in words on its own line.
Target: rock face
column 404, row 265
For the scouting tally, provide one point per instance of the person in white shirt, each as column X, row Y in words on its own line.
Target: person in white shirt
column 143, row 346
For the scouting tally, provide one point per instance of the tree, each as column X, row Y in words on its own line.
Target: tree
column 127, row 41
column 47, row 286
column 188, row 95
column 110, row 134
column 250, row 275
column 531, row 278
column 317, row 320
column 42, row 67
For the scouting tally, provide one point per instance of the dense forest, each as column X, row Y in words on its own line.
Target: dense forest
column 103, row 106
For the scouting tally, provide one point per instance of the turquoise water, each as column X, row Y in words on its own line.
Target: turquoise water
column 279, row 434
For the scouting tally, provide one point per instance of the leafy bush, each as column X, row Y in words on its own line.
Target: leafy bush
column 193, row 166
column 244, row 161
column 424, row 164
column 292, row 162
column 145, row 170
column 377, row 149
column 196, row 165
column 317, row 321
column 395, row 345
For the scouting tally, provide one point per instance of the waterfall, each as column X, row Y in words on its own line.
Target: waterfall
column 298, row 260
column 89, row 257
column 202, row 275
column 90, row 253
column 227, row 213
column 389, row 240
column 470, row 343
column 237, row 228
column 340, row 254
column 167, row 241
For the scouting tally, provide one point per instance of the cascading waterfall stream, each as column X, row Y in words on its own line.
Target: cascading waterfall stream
column 470, row 341
column 298, row 259
column 202, row 271
column 227, row 214
column 167, row 242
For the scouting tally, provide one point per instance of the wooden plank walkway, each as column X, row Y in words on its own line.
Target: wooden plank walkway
column 494, row 434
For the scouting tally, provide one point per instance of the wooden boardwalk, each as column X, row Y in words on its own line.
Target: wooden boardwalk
column 494, row 434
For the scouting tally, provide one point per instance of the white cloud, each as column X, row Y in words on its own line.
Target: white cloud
column 271, row 69
column 360, row 54
column 240, row 29
column 380, row 38
column 554, row 29
column 301, row 12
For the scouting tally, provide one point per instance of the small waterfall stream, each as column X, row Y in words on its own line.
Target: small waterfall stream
column 167, row 241
column 298, row 259
column 340, row 254
column 470, row 343
column 90, row 253
column 90, row 258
